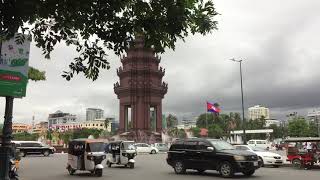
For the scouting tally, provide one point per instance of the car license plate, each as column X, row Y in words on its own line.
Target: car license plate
column 255, row 163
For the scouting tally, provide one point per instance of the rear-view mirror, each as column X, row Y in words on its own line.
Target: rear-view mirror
column 210, row 148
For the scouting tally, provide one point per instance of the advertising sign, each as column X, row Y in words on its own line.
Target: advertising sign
column 14, row 66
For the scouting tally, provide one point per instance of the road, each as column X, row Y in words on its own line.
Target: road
column 148, row 167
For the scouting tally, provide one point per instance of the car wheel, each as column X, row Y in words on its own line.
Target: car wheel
column 153, row 151
column 46, row 153
column 98, row 172
column 179, row 168
column 109, row 164
column 226, row 169
column 70, row 170
column 261, row 162
column 297, row 163
column 23, row 154
column 131, row 165
column 248, row 173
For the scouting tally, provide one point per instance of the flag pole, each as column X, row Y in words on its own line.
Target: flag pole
column 206, row 115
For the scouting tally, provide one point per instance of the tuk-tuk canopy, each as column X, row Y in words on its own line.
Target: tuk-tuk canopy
column 303, row 139
column 79, row 146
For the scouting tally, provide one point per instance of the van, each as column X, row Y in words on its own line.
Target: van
column 263, row 144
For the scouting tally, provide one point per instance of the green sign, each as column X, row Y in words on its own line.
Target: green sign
column 14, row 66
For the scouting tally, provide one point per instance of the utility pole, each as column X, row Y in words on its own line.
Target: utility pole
column 5, row 149
column 243, row 119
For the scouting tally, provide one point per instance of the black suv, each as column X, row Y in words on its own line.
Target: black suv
column 33, row 147
column 210, row 154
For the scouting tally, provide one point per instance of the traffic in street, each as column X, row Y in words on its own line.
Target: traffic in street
column 147, row 167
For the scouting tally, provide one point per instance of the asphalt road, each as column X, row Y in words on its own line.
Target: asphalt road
column 148, row 167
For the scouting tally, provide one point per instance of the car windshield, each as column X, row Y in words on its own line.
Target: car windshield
column 257, row 149
column 95, row 147
column 222, row 145
column 128, row 146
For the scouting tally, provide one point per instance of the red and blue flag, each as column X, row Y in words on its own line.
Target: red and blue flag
column 213, row 107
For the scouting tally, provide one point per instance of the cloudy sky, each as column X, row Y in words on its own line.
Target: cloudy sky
column 278, row 41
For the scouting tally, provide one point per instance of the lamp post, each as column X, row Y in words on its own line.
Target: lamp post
column 243, row 119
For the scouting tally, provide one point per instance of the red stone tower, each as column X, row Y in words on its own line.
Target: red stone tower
column 140, row 90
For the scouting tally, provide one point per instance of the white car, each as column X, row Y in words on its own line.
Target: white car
column 146, row 148
column 266, row 157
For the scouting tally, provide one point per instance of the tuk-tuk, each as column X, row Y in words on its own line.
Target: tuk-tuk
column 121, row 153
column 303, row 152
column 86, row 155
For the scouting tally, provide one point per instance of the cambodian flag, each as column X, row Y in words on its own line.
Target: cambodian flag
column 213, row 107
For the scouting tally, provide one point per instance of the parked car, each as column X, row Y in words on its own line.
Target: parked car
column 265, row 157
column 211, row 154
column 161, row 146
column 146, row 148
column 263, row 144
column 33, row 147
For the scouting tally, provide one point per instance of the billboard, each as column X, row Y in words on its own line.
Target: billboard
column 14, row 66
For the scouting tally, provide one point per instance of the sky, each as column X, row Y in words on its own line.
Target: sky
column 277, row 41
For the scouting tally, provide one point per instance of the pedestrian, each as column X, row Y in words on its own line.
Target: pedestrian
column 309, row 146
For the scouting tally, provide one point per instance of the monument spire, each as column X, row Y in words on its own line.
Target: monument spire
column 140, row 91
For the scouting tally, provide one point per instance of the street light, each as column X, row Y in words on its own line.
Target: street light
column 244, row 121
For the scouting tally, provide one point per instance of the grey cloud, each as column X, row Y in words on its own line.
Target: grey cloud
column 277, row 40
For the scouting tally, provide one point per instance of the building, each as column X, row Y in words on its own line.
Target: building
column 269, row 122
column 258, row 111
column 95, row 124
column 93, row 113
column 189, row 123
column 60, row 118
column 41, row 127
column 314, row 115
column 20, row 127
column 236, row 136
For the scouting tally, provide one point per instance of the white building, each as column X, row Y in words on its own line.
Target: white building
column 236, row 136
column 258, row 111
column 95, row 124
column 59, row 118
column 93, row 114
column 269, row 122
column 314, row 115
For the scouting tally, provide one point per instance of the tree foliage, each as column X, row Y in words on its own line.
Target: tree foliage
column 177, row 133
column 256, row 123
column 215, row 123
column 195, row 131
column 24, row 136
column 172, row 121
column 278, row 132
column 215, row 131
column 299, row 127
column 96, row 25
column 36, row 75
column 79, row 133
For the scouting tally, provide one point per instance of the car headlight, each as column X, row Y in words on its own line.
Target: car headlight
column 239, row 158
